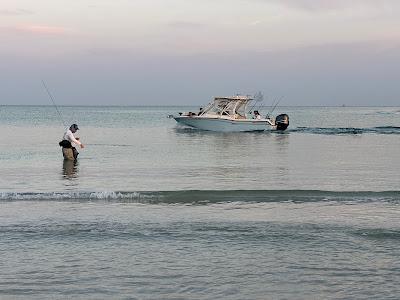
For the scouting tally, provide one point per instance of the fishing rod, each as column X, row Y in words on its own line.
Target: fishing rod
column 270, row 110
column 274, row 105
column 261, row 103
column 54, row 103
column 257, row 97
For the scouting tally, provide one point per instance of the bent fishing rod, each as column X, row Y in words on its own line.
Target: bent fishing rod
column 54, row 103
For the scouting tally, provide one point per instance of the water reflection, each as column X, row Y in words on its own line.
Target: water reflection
column 252, row 159
column 232, row 140
column 281, row 140
column 196, row 133
column 70, row 169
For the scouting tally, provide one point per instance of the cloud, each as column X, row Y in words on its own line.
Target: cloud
column 15, row 12
column 255, row 23
column 185, row 25
column 41, row 29
column 329, row 5
column 35, row 30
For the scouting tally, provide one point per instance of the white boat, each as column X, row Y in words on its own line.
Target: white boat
column 230, row 114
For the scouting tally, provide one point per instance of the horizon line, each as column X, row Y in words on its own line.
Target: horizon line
column 177, row 105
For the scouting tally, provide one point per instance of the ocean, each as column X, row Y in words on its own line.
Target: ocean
column 155, row 210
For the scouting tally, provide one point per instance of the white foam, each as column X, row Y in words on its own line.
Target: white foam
column 101, row 195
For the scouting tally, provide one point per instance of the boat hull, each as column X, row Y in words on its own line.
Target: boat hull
column 224, row 125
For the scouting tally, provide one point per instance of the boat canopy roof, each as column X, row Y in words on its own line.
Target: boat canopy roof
column 234, row 98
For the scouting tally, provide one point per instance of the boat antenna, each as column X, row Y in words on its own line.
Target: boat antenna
column 54, row 103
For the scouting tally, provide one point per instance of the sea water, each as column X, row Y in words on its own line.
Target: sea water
column 154, row 210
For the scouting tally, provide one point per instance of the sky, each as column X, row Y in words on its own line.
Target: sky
column 184, row 52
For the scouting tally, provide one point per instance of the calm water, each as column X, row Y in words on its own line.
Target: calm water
column 157, row 211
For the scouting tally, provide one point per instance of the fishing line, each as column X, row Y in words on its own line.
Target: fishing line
column 54, row 103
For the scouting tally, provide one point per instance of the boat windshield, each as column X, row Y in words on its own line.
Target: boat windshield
column 230, row 107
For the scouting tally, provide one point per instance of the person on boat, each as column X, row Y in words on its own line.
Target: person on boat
column 257, row 115
column 68, row 150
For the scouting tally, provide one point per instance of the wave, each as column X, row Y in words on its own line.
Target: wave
column 379, row 233
column 207, row 196
column 347, row 130
column 386, row 112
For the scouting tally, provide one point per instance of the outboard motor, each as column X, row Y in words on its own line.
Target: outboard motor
column 282, row 122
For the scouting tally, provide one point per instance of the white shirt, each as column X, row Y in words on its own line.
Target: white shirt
column 69, row 136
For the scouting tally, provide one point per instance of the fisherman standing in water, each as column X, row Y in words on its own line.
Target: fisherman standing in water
column 70, row 152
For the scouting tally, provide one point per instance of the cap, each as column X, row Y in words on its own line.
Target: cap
column 74, row 126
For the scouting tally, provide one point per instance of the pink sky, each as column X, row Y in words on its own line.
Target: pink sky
column 110, row 35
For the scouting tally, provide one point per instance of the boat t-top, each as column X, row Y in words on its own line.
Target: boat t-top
column 230, row 114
